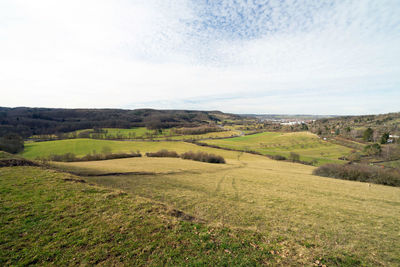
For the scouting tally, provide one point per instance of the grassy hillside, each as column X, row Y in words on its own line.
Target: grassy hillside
column 81, row 147
column 51, row 218
column 309, row 146
column 144, row 133
column 139, row 165
column 309, row 217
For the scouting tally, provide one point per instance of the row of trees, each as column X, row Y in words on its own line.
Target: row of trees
column 38, row 121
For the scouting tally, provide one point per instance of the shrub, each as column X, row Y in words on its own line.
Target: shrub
column 360, row 172
column 163, row 154
column 67, row 157
column 70, row 157
column 11, row 143
column 294, row 157
column 203, row 157
column 278, row 157
column 354, row 156
column 374, row 149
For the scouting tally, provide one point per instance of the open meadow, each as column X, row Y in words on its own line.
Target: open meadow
column 303, row 219
column 142, row 133
column 309, row 217
column 309, row 146
column 81, row 147
column 53, row 218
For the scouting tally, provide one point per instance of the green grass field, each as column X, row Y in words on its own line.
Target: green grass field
column 309, row 146
column 50, row 218
column 144, row 133
column 309, row 217
column 81, row 147
column 282, row 213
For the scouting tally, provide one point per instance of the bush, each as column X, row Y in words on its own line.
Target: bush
column 70, row 157
column 294, row 157
column 203, row 157
column 354, row 156
column 374, row 149
column 11, row 143
column 67, row 157
column 360, row 172
column 278, row 157
column 163, row 154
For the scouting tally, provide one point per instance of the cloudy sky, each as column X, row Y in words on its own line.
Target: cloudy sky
column 297, row 56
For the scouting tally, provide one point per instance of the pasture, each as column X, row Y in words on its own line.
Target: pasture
column 309, row 146
column 142, row 133
column 310, row 217
column 52, row 218
column 81, row 147
column 307, row 219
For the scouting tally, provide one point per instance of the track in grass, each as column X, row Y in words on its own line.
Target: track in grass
column 312, row 216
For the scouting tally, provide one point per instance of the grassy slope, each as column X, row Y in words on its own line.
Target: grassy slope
column 143, row 133
column 308, row 145
column 140, row 165
column 308, row 216
column 5, row 155
column 81, row 147
column 48, row 220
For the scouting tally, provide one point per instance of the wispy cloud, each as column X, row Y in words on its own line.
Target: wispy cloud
column 309, row 56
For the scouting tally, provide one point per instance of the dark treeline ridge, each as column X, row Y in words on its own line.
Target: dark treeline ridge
column 26, row 121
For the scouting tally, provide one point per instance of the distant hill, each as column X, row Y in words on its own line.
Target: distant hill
column 27, row 121
column 288, row 116
column 355, row 126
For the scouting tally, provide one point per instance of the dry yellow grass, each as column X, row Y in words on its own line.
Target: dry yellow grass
column 344, row 222
column 140, row 165
column 311, row 216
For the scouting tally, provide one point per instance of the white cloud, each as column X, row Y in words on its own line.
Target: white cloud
column 263, row 56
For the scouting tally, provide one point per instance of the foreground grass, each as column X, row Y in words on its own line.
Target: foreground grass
column 309, row 146
column 51, row 218
column 310, row 217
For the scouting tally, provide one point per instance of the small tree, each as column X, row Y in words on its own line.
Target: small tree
column 294, row 156
column 368, row 134
column 384, row 138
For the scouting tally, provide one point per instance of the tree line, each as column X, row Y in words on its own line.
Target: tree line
column 40, row 121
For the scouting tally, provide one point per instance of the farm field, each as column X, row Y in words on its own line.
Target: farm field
column 309, row 146
column 309, row 217
column 301, row 218
column 81, row 147
column 144, row 133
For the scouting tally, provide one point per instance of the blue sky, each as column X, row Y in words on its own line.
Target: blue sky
column 315, row 57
